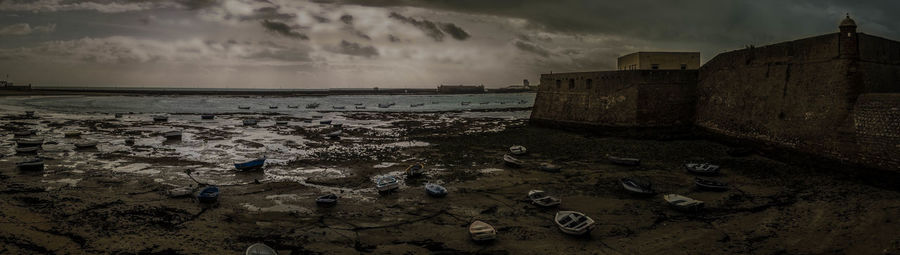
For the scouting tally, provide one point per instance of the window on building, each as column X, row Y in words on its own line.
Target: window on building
column 588, row 84
column 558, row 84
column 571, row 84
column 683, row 66
column 654, row 66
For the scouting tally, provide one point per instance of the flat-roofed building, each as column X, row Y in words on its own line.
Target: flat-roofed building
column 660, row 61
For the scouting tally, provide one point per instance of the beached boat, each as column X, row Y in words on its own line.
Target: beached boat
column 260, row 249
column 180, row 191
column 249, row 122
column 29, row 142
column 709, row 184
column 465, row 103
column 250, row 165
column 327, row 200
column 334, row 134
column 23, row 133
column 317, row 116
column 326, row 122
column 481, row 231
column 512, row 161
column 548, row 167
column 27, row 150
column 541, row 198
column 387, row 183
column 36, row 164
column 29, row 113
column 85, row 144
column 207, row 117
column 209, row 194
column 435, row 190
column 118, row 115
column 636, row 187
column 172, row 135
column 337, row 125
column 281, row 122
column 312, row 106
column 160, row 118
column 244, row 107
column 682, row 202
column 624, row 161
column 415, row 170
column 357, row 103
column 518, row 150
column 293, row 106
column 72, row 133
column 702, row 168
column 129, row 141
column 384, row 105
column 338, row 107
column 360, row 107
column 273, row 107
column 573, row 223
column 417, row 105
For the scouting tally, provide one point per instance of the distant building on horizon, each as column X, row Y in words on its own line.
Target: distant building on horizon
column 647, row 60
column 460, row 89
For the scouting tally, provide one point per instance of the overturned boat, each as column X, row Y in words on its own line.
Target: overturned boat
column 209, row 194
column 683, row 203
column 573, row 223
column 415, row 170
column 636, row 187
column 481, row 231
column 327, row 200
column 260, row 249
column 36, row 164
column 512, row 161
column 541, row 198
column 702, row 168
column 250, row 165
column 709, row 184
column 387, row 183
column 518, row 150
column 624, row 161
column 435, row 190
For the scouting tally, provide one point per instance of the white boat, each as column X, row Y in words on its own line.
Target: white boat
column 86, row 144
column 481, row 231
column 573, row 223
column 624, row 161
column 518, row 150
column 702, row 168
column 682, row 202
column 512, row 161
column 540, row 198
column 174, row 134
column 636, row 187
column 260, row 249
column 387, row 183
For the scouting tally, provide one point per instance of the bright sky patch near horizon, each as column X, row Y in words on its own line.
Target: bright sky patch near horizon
column 384, row 43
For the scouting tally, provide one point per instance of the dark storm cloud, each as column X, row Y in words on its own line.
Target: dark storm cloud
column 347, row 19
column 270, row 13
column 433, row 29
column 283, row 29
column 353, row 49
column 455, row 31
column 393, row 38
column 197, row 4
column 532, row 48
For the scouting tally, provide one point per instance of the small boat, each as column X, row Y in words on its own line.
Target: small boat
column 23, row 133
column 129, row 141
column 249, row 165
column 293, row 106
column 434, row 102
column 465, row 103
column 435, row 190
column 334, row 134
column 624, row 161
column 160, row 118
column 337, row 125
column 682, row 202
column 702, row 168
column 358, row 104
column 481, row 231
column 485, row 102
column 338, row 107
column 208, row 195
column 540, row 198
column 360, row 107
column 207, row 117
column 249, row 122
column 260, row 249
column 317, row 116
column 29, row 113
column 518, row 150
column 384, row 105
column 244, row 107
column 709, row 184
column 522, row 101
column 73, row 133
column 417, row 105
column 281, row 122
column 27, row 150
column 326, row 122
column 327, row 200
column 36, row 164
column 548, row 167
column 29, row 142
column 118, row 115
column 415, row 170
column 180, row 192
column 573, row 223
column 172, row 135
column 636, row 187
column 312, row 106
column 387, row 183
column 273, row 107
column 85, row 144
column 511, row 161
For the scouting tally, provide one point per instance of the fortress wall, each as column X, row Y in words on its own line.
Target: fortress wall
column 880, row 62
column 877, row 123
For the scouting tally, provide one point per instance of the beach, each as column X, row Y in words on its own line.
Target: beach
column 111, row 199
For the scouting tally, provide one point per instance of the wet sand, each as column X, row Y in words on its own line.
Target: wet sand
column 110, row 200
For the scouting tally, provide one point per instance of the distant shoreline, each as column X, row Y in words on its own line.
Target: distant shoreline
column 235, row 92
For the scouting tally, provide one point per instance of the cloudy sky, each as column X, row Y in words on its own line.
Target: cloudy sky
column 384, row 43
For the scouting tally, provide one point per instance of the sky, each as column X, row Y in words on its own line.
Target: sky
column 297, row 44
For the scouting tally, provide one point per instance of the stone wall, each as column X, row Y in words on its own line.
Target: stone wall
column 876, row 118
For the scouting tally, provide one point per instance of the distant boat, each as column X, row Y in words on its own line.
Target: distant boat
column 250, row 165
column 709, row 184
column 317, row 116
column 334, row 134
column 29, row 113
column 36, row 164
column 73, row 133
column 573, row 223
column 118, row 115
column 27, row 150
column 326, row 122
column 244, row 107
column 433, row 102
column 480, row 231
column 540, row 198
column 281, row 122
column 260, row 249
column 207, row 117
column 702, row 168
column 417, row 105
column 337, row 125
column 636, row 187
column 180, row 191
column 273, row 107
column 360, row 107
column 548, row 167
column 172, row 135
column 312, row 106
column 415, row 170
column 338, row 107
column 29, row 142
column 358, row 104
column 160, row 118
column 327, row 200
column 86, row 144
column 384, row 105
column 624, row 161
column 23, row 133
column 682, row 202
column 129, row 141
column 465, row 103
column 435, row 190
column 512, row 161
column 293, row 106
column 209, row 194
column 518, row 150
column 485, row 102
column 249, row 122
column 387, row 183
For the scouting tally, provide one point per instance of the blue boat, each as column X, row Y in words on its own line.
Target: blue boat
column 435, row 190
column 327, row 200
column 208, row 195
column 252, row 164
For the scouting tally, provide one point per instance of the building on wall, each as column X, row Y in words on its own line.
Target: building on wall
column 460, row 89
column 834, row 96
column 659, row 61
